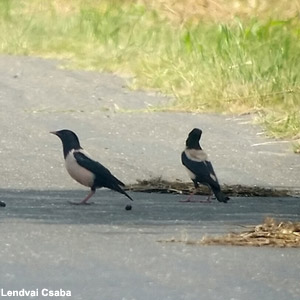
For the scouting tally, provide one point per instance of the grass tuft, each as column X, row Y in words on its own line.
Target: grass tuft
column 238, row 65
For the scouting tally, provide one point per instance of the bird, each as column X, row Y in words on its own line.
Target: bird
column 84, row 169
column 199, row 167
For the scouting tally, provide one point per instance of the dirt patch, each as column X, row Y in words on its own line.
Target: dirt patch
column 270, row 233
column 161, row 186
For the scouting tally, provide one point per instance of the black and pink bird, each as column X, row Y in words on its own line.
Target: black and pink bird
column 84, row 169
column 199, row 167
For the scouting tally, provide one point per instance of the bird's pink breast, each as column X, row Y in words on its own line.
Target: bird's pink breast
column 78, row 173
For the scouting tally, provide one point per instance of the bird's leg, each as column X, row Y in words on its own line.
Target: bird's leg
column 208, row 200
column 189, row 199
column 85, row 200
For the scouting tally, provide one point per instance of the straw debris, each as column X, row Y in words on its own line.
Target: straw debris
column 158, row 185
column 271, row 233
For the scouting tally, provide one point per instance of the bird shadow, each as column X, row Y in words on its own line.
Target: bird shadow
column 108, row 207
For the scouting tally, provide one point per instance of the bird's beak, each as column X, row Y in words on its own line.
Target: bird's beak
column 53, row 132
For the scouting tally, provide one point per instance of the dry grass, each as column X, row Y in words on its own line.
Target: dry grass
column 182, row 11
column 157, row 185
column 224, row 10
column 270, row 233
column 296, row 147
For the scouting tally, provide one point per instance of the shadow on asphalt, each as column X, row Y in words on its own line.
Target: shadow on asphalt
column 52, row 207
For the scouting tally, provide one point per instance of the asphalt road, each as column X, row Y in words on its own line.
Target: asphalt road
column 104, row 252
column 112, row 122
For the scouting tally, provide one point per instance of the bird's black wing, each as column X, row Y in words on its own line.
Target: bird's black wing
column 211, row 169
column 203, row 170
column 95, row 167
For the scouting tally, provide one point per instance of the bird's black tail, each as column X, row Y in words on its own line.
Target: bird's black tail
column 124, row 193
column 117, row 188
column 220, row 195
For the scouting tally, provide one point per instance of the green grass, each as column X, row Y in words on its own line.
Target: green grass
column 234, row 67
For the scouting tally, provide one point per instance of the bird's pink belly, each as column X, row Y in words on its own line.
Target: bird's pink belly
column 81, row 175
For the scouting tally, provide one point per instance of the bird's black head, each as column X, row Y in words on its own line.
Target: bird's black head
column 192, row 142
column 69, row 140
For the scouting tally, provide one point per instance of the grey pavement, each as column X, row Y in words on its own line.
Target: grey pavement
column 103, row 252
column 38, row 95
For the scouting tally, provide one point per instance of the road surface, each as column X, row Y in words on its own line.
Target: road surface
column 102, row 251
column 113, row 124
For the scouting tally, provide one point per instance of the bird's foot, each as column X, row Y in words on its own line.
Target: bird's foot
column 80, row 203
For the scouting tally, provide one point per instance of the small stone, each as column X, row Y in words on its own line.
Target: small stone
column 128, row 207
